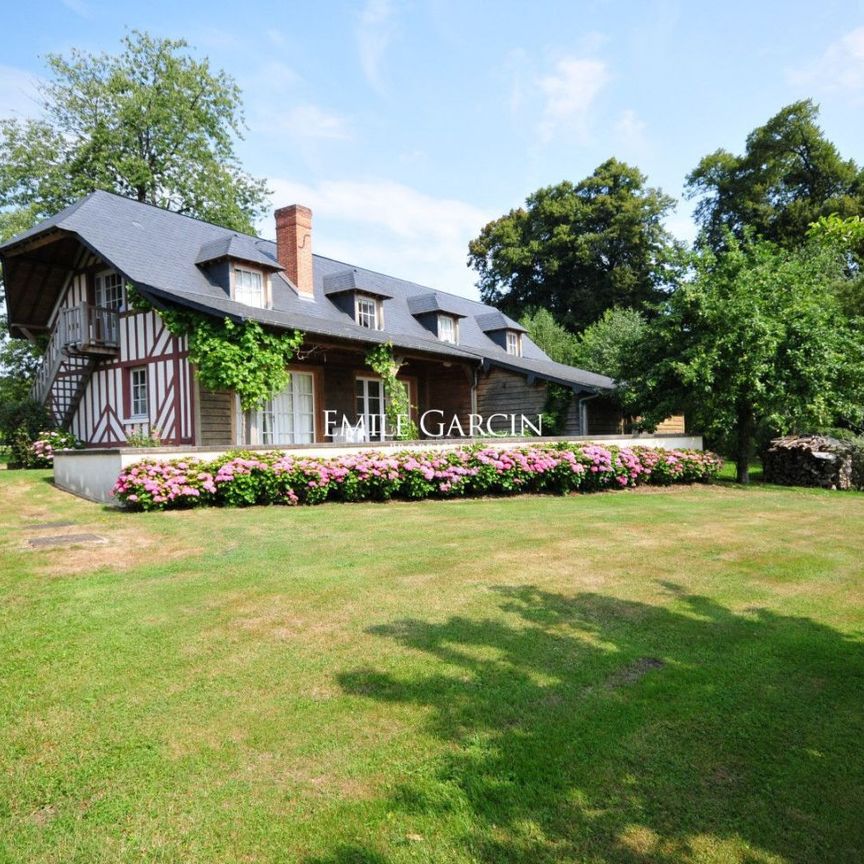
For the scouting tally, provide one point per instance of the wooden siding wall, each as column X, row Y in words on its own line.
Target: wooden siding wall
column 573, row 423
column 101, row 418
column 215, row 417
column 500, row 391
column 446, row 389
column 674, row 425
column 503, row 392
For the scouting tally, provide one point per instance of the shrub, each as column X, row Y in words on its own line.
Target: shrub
column 142, row 436
column 27, row 414
column 240, row 479
column 27, row 453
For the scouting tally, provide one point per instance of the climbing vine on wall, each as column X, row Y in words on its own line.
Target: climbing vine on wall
column 398, row 404
column 228, row 355
column 558, row 401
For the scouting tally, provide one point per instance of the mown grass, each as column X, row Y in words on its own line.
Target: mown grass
column 660, row 675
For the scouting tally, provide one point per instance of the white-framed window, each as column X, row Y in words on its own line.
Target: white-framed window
column 448, row 329
column 289, row 417
column 249, row 287
column 371, row 405
column 514, row 343
column 139, row 401
column 367, row 312
column 109, row 290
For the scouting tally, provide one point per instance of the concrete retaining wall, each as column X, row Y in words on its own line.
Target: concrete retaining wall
column 92, row 473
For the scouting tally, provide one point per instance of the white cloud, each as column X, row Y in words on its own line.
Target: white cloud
column 629, row 127
column 310, row 121
column 374, row 34
column 275, row 76
column 389, row 227
column 840, row 68
column 569, row 94
column 19, row 93
column 79, row 7
column 515, row 70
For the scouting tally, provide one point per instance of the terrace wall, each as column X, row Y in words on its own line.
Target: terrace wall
column 91, row 473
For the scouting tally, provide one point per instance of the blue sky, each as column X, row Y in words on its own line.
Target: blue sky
column 407, row 125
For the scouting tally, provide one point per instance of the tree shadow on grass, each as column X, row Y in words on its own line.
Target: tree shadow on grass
column 593, row 728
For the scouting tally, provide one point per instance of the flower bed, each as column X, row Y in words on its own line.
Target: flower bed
column 241, row 479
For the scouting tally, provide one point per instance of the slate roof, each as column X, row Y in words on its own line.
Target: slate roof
column 159, row 251
column 433, row 301
column 238, row 246
column 489, row 322
column 352, row 280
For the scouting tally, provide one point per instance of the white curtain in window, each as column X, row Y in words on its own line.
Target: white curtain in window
column 289, row 417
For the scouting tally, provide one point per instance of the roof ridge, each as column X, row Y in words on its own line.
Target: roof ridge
column 172, row 213
column 409, row 281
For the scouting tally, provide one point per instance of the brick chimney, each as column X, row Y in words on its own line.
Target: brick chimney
column 294, row 246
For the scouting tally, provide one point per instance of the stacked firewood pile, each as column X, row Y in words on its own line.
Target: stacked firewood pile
column 809, row 460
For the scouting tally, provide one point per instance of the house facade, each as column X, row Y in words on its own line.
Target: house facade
column 110, row 371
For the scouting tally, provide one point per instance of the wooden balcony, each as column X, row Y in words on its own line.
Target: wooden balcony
column 89, row 329
column 81, row 335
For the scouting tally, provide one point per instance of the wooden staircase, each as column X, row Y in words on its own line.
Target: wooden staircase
column 83, row 334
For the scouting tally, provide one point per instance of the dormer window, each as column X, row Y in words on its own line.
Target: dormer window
column 448, row 329
column 514, row 343
column 249, row 287
column 367, row 312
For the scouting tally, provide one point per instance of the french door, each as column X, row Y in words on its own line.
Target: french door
column 289, row 417
column 371, row 407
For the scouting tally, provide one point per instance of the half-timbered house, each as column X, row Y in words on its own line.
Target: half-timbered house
column 109, row 371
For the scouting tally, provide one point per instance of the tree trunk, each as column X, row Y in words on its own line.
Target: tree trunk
column 744, row 436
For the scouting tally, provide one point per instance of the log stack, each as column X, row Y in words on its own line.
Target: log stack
column 809, row 460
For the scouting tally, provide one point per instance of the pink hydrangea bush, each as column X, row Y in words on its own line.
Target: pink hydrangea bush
column 240, row 479
column 42, row 449
column 154, row 485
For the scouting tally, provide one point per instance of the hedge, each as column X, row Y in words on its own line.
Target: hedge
column 240, row 479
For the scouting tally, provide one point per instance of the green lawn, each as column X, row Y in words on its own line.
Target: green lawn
column 651, row 676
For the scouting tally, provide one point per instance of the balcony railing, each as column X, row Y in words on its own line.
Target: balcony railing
column 89, row 328
column 80, row 330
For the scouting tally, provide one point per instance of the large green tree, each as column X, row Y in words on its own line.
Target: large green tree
column 560, row 344
column 846, row 236
column 151, row 122
column 756, row 338
column 789, row 175
column 605, row 345
column 578, row 249
column 601, row 347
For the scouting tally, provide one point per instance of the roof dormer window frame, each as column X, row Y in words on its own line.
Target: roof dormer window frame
column 513, row 343
column 368, row 311
column 243, row 289
column 449, row 332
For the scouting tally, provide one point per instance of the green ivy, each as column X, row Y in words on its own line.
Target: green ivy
column 228, row 355
column 398, row 404
column 554, row 417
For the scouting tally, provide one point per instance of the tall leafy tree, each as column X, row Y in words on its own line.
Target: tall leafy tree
column 606, row 344
column 545, row 332
column 788, row 176
column 757, row 338
column 846, row 237
column 578, row 249
column 152, row 123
